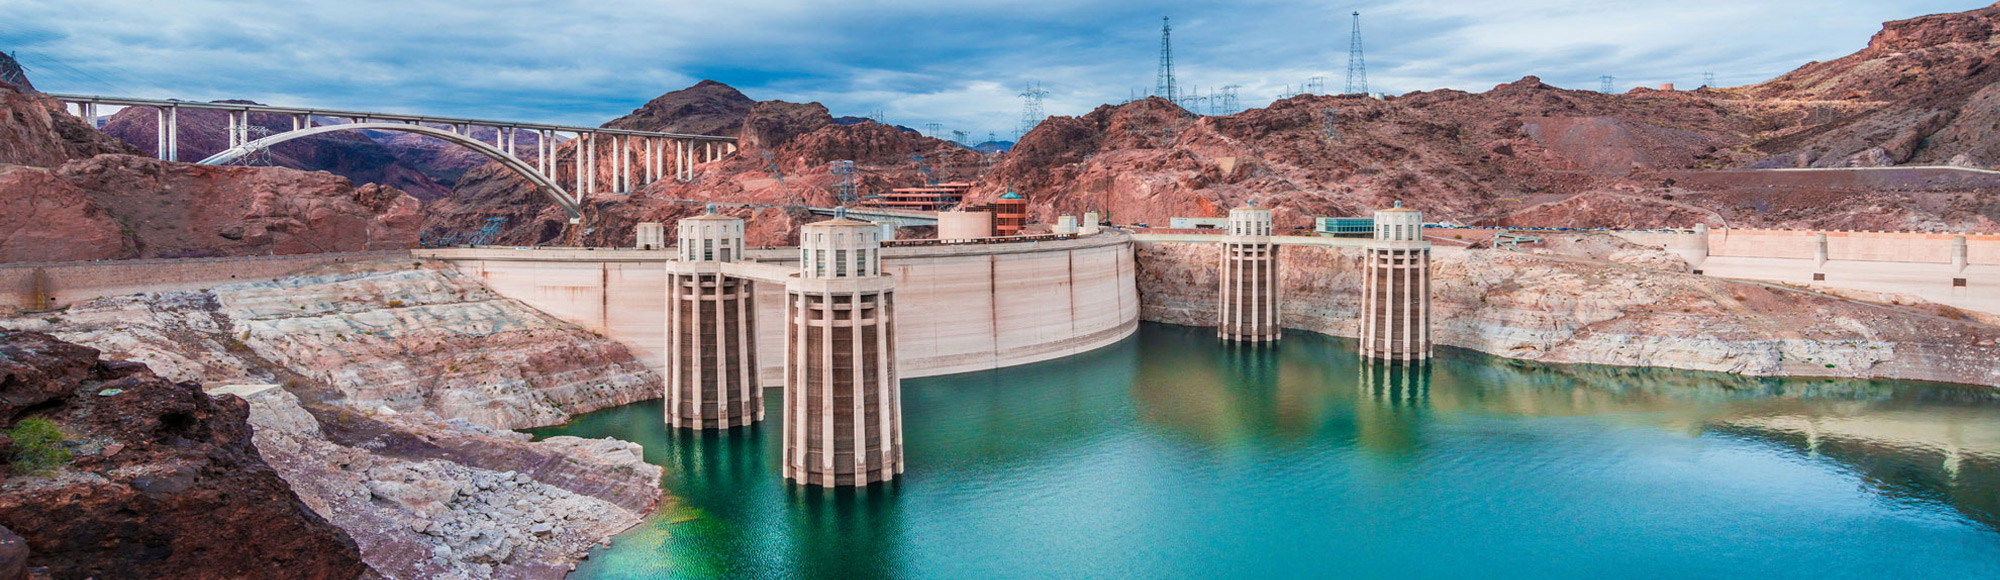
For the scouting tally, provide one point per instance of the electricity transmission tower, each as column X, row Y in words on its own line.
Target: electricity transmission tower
column 1167, row 90
column 1708, row 79
column 1357, row 67
column 1031, row 107
column 1604, row 83
column 843, row 181
column 1228, row 105
column 934, row 127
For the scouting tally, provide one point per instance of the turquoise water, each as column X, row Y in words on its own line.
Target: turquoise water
column 1170, row 455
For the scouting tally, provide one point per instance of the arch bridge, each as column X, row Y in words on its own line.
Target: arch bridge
column 632, row 158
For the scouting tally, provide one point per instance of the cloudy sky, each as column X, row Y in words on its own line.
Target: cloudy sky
column 918, row 62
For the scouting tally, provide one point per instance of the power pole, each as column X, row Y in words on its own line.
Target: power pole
column 1167, row 90
column 1357, row 67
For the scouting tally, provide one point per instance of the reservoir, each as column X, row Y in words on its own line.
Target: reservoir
column 1173, row 455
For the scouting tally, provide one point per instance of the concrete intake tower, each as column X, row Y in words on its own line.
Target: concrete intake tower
column 1396, row 288
column 1247, row 300
column 711, row 330
column 843, row 402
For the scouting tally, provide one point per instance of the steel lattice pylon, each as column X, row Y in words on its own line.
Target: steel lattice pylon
column 1357, row 67
column 1167, row 90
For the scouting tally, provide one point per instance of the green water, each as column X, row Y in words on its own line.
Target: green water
column 1170, row 455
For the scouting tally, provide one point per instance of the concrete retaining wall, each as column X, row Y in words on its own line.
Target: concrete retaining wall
column 68, row 283
column 1864, row 246
column 962, row 308
column 1908, row 263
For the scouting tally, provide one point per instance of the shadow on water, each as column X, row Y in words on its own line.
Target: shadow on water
column 1170, row 453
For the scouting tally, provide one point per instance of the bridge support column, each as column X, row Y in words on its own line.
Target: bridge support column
column 1396, row 289
column 590, row 162
column 173, row 133
column 1247, row 305
column 160, row 133
column 711, row 330
column 843, row 402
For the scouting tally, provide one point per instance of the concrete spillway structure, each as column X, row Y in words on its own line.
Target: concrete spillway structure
column 1396, row 289
column 711, row 374
column 1247, row 300
column 843, row 402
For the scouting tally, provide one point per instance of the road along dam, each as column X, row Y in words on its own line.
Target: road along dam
column 961, row 307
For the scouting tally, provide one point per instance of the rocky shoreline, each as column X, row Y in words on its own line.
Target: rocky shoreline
column 381, row 392
column 1568, row 309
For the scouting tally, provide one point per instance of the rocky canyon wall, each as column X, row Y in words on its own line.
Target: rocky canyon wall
column 1569, row 310
column 380, row 392
column 162, row 481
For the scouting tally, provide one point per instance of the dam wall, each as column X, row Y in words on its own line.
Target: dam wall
column 31, row 286
column 1917, row 264
column 961, row 308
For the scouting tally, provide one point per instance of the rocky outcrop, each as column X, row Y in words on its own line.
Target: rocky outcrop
column 427, row 498
column 164, row 209
column 1568, row 309
column 707, row 108
column 378, row 335
column 35, row 131
column 164, row 481
column 432, row 339
column 45, row 218
column 372, row 371
column 1922, row 93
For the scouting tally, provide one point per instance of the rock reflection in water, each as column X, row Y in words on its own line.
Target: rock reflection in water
column 1172, row 454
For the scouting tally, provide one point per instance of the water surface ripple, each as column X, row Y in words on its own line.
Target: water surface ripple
column 1170, row 455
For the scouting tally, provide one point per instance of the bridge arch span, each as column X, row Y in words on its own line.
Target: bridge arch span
column 548, row 186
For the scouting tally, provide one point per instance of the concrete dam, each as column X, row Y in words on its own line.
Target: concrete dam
column 962, row 308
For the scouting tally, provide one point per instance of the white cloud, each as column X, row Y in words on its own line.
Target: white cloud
column 959, row 64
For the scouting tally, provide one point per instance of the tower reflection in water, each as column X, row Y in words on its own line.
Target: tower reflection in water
column 1392, row 400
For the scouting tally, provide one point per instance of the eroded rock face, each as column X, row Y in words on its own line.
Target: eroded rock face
column 1567, row 309
column 391, row 361
column 434, row 340
column 707, row 108
column 427, row 498
column 44, row 218
column 165, row 482
column 35, row 131
column 163, row 209
column 377, row 335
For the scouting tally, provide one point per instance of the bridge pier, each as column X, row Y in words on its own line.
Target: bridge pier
column 843, row 402
column 1248, row 305
column 711, row 330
